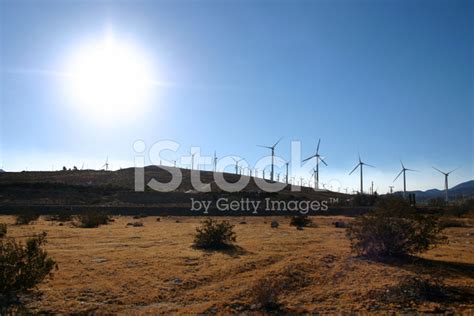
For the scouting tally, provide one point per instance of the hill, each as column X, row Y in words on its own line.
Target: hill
column 116, row 189
column 465, row 189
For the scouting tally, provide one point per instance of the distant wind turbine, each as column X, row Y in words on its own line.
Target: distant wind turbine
column 272, row 148
column 404, row 170
column 106, row 164
column 237, row 164
column 361, row 164
column 215, row 161
column 318, row 159
column 446, row 174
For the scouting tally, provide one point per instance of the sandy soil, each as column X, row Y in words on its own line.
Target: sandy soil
column 153, row 269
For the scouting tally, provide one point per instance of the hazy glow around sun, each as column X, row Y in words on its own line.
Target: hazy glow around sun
column 109, row 79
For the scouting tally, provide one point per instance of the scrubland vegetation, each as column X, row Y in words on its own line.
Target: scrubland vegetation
column 393, row 259
column 22, row 266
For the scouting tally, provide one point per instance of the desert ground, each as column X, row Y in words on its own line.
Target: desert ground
column 155, row 270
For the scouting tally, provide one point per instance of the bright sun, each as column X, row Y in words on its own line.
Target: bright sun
column 109, row 79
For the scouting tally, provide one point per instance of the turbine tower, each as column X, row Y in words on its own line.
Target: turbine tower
column 318, row 159
column 361, row 164
column 404, row 170
column 215, row 161
column 272, row 148
column 446, row 174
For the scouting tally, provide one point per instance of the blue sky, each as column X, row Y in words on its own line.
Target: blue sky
column 389, row 79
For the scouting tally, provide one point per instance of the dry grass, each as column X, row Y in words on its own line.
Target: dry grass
column 154, row 269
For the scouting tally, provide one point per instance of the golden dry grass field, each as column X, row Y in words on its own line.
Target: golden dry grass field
column 154, row 269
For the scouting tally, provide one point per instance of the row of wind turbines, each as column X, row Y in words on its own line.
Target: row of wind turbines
column 318, row 159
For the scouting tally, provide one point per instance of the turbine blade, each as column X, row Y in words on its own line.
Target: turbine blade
column 264, row 146
column 277, row 142
column 309, row 158
column 402, row 164
column 439, row 170
column 354, row 168
column 398, row 175
column 324, row 162
column 453, row 170
column 317, row 148
column 368, row 165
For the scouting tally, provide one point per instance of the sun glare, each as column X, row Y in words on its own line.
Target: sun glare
column 109, row 80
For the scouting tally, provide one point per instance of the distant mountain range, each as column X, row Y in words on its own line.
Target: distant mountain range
column 465, row 189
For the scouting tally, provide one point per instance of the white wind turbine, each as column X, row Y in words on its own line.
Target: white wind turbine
column 106, row 164
column 272, row 148
column 361, row 164
column 446, row 188
column 237, row 164
column 404, row 170
column 316, row 170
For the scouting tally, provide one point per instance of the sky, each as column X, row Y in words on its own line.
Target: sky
column 391, row 80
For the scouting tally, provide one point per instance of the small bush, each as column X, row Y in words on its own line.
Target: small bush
column 3, row 229
column 448, row 222
column 214, row 235
column 26, row 218
column 22, row 266
column 93, row 219
column 61, row 217
column 301, row 221
column 135, row 224
column 394, row 228
column 266, row 293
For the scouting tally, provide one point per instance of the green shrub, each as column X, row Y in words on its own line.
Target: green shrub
column 214, row 235
column 393, row 228
column 93, row 219
column 3, row 229
column 23, row 266
column 301, row 221
column 26, row 218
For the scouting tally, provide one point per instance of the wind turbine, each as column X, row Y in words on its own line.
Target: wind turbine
column 446, row 174
column 318, row 159
column 215, row 161
column 106, row 164
column 361, row 164
column 237, row 164
column 287, row 163
column 272, row 148
column 404, row 170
